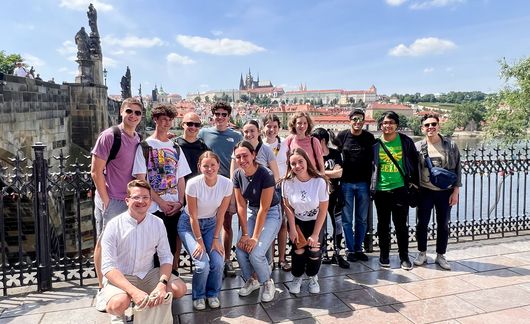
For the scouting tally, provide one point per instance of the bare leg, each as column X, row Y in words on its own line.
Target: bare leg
column 97, row 263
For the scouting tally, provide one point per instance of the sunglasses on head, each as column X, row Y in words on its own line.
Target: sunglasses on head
column 129, row 111
column 189, row 124
column 430, row 124
column 218, row 114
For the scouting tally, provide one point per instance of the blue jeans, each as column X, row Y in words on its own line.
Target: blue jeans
column 208, row 272
column 358, row 192
column 256, row 261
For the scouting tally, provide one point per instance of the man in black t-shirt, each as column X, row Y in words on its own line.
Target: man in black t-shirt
column 355, row 144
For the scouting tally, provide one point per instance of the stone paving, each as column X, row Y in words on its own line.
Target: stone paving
column 489, row 283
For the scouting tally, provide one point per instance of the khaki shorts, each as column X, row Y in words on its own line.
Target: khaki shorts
column 147, row 284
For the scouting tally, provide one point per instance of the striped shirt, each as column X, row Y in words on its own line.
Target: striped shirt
column 129, row 247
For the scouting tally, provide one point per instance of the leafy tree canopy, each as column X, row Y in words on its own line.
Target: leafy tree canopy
column 508, row 111
column 7, row 62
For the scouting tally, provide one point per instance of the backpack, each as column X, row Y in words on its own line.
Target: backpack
column 116, row 144
column 290, row 139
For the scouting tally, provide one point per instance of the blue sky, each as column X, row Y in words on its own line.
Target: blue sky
column 403, row 46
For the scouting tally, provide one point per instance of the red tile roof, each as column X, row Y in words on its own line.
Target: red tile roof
column 382, row 106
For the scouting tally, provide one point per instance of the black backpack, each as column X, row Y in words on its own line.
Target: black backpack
column 116, row 144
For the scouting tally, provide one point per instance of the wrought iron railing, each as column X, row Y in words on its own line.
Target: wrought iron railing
column 47, row 227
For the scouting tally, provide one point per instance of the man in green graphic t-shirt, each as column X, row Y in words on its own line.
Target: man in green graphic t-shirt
column 388, row 186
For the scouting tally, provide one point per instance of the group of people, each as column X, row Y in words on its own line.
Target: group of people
column 155, row 194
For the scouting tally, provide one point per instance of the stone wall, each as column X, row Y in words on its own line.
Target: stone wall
column 61, row 116
column 32, row 111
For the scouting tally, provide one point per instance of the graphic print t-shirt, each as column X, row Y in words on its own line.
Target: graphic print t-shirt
column 305, row 197
column 389, row 175
column 163, row 169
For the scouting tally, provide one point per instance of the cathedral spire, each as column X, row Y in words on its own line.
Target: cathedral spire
column 241, row 83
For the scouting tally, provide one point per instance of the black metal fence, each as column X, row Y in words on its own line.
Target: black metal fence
column 47, row 228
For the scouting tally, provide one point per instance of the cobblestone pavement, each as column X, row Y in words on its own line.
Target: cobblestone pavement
column 489, row 283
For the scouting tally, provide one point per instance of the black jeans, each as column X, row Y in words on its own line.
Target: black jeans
column 440, row 201
column 171, row 229
column 306, row 262
column 393, row 203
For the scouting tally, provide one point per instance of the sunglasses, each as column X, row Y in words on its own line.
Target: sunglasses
column 189, row 124
column 357, row 119
column 217, row 114
column 430, row 124
column 129, row 111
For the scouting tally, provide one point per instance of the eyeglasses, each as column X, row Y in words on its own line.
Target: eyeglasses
column 388, row 123
column 189, row 124
column 140, row 198
column 218, row 114
column 357, row 119
column 430, row 125
column 129, row 111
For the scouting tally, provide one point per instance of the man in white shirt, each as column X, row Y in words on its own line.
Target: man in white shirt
column 20, row 70
column 128, row 244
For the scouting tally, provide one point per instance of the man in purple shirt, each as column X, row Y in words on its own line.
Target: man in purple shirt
column 111, row 176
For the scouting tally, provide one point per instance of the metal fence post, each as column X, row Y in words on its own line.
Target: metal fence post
column 369, row 237
column 40, row 171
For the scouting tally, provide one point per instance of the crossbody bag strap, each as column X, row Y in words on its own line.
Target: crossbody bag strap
column 393, row 159
column 426, row 157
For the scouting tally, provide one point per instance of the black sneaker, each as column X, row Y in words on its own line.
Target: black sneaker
column 351, row 257
column 406, row 265
column 384, row 262
column 341, row 262
column 361, row 256
column 229, row 270
column 328, row 260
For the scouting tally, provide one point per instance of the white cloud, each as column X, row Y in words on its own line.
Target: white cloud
column 423, row 46
column 176, row 58
column 434, row 4
column 219, row 46
column 122, row 52
column 395, row 3
column 216, row 32
column 133, row 41
column 428, row 70
column 32, row 60
column 109, row 62
column 81, row 5
column 204, row 86
column 68, row 47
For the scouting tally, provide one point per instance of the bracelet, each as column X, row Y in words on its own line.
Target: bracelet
column 245, row 234
column 198, row 238
column 216, row 237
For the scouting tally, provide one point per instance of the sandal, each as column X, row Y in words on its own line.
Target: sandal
column 284, row 265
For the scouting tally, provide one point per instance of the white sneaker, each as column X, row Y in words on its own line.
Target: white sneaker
column 101, row 303
column 249, row 286
column 421, row 258
column 213, row 302
column 442, row 262
column 114, row 319
column 199, row 304
column 314, row 287
column 295, row 285
column 269, row 290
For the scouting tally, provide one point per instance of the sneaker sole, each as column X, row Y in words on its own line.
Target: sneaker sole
column 246, row 294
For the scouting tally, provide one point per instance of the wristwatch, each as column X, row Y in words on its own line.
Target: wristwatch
column 163, row 280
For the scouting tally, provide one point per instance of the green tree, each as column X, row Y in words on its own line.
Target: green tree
column 508, row 111
column 244, row 98
column 197, row 99
column 7, row 62
column 468, row 115
column 207, row 99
